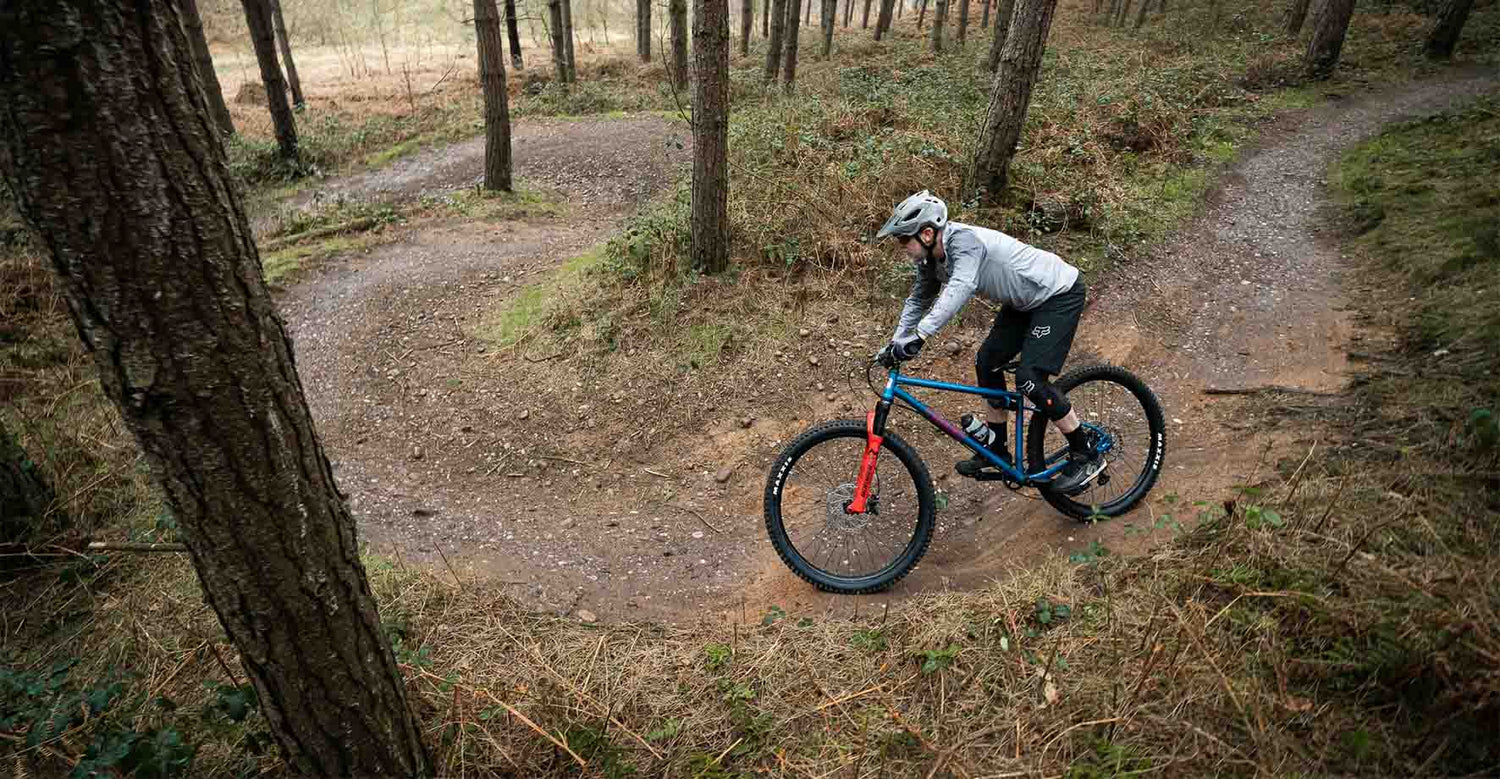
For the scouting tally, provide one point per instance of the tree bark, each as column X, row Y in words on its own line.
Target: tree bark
column 984, row 22
column 1296, row 15
column 883, row 21
column 1020, row 61
column 513, row 30
column 710, row 220
column 496, row 107
column 776, row 10
column 1329, row 27
column 207, row 76
column 567, row 21
column 1124, row 13
column 963, row 21
column 110, row 154
column 864, row 22
column 829, row 18
column 677, row 13
column 286, row 54
column 25, row 497
column 559, row 49
column 922, row 15
column 258, row 18
column 1003, row 13
column 747, row 22
column 643, row 29
column 848, row 12
column 793, row 30
column 939, row 21
column 1445, row 31
column 807, row 12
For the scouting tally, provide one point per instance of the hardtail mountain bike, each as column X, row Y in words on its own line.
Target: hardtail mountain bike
column 850, row 506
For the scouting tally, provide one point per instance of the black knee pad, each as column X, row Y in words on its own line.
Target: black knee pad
column 1034, row 385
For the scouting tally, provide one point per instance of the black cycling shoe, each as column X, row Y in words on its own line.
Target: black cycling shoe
column 972, row 466
column 1082, row 468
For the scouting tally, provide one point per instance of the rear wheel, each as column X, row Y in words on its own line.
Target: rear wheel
column 807, row 491
column 1118, row 404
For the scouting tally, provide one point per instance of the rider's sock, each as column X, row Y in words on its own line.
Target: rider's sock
column 1078, row 440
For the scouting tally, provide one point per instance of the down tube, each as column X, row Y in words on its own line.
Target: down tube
column 931, row 416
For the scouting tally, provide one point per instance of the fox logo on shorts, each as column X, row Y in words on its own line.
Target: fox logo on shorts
column 1041, row 331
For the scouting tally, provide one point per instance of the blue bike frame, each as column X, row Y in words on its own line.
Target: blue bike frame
column 1016, row 471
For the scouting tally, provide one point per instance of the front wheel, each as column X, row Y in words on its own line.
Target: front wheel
column 807, row 491
column 1122, row 407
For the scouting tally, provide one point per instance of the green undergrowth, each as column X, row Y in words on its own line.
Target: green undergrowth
column 1126, row 133
column 297, row 236
column 543, row 306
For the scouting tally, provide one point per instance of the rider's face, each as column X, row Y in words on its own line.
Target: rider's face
column 914, row 248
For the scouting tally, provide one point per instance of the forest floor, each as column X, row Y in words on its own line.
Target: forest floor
column 631, row 488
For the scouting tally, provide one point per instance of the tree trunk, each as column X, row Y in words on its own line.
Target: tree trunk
column 258, row 18
column 793, row 30
column 1450, row 23
column 710, row 227
column 830, row 17
column 567, row 22
column 900, row 7
column 883, row 21
column 1296, row 14
column 963, row 21
column 1003, row 13
column 939, row 21
column 922, row 15
column 1140, row 18
column 1019, row 62
column 286, row 54
column 106, row 146
column 776, row 10
column 559, row 49
column 984, row 22
column 25, row 497
column 807, row 12
column 1329, row 27
column 513, row 29
column 864, row 22
column 643, row 29
column 496, row 108
column 677, row 13
column 747, row 21
column 765, row 19
column 207, row 76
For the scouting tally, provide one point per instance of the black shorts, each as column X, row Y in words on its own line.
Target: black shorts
column 1042, row 336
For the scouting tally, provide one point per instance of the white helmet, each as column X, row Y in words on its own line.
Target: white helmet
column 923, row 209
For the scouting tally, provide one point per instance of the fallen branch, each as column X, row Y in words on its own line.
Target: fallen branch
column 355, row 226
column 545, row 359
column 112, row 546
column 701, row 519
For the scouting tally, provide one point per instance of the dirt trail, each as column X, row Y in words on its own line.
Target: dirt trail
column 1246, row 295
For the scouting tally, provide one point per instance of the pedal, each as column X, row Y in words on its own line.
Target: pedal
column 1102, row 479
column 989, row 475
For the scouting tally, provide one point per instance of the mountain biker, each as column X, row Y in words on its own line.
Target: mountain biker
column 1041, row 298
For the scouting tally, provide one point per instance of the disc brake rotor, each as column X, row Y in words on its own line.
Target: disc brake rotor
column 837, row 517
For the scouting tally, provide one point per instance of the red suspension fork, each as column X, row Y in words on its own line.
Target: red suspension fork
column 867, row 463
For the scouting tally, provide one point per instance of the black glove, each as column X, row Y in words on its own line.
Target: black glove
column 887, row 355
column 907, row 348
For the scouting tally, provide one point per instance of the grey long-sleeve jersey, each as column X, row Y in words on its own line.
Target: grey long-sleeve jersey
column 977, row 259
